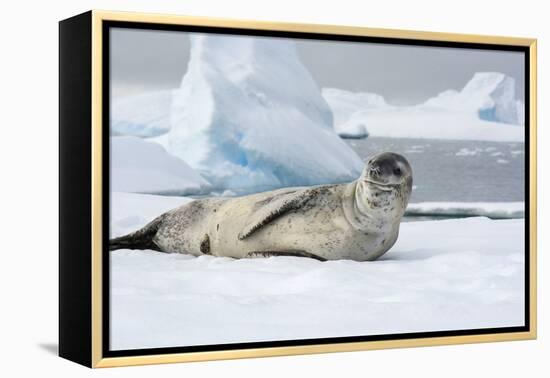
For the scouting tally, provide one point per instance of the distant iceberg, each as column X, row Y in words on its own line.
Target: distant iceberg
column 489, row 94
column 345, row 104
column 353, row 129
column 249, row 115
column 139, row 166
column 486, row 109
column 143, row 115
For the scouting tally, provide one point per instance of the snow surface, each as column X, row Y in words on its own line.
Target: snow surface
column 495, row 210
column 485, row 109
column 441, row 275
column 142, row 115
column 145, row 167
column 249, row 115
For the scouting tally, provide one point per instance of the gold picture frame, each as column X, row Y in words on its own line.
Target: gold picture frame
column 84, row 325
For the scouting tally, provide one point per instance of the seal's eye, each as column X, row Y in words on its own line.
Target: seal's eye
column 397, row 171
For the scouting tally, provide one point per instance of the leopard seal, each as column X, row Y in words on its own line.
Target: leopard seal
column 357, row 221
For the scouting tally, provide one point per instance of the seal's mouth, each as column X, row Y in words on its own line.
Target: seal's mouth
column 381, row 185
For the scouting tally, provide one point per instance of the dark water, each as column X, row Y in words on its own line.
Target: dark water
column 456, row 171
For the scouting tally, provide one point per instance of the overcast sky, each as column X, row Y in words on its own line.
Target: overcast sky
column 150, row 60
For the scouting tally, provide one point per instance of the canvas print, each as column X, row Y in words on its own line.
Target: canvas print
column 266, row 188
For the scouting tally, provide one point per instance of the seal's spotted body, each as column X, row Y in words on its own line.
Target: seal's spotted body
column 358, row 221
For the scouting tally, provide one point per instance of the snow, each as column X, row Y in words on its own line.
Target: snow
column 144, row 167
column 495, row 210
column 249, row 115
column 143, row 115
column 485, row 109
column 441, row 275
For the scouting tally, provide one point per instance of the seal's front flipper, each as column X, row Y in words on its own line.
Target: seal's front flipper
column 285, row 253
column 277, row 207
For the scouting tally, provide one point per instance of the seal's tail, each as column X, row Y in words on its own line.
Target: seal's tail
column 140, row 239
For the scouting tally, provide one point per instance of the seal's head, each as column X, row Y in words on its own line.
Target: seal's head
column 385, row 184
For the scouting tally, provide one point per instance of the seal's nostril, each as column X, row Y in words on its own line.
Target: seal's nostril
column 374, row 170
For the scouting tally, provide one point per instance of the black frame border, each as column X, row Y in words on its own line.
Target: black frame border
column 107, row 25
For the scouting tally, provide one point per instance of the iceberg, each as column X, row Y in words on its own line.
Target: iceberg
column 353, row 129
column 139, row 166
column 485, row 109
column 490, row 95
column 415, row 122
column 249, row 116
column 143, row 115
column 520, row 110
column 345, row 104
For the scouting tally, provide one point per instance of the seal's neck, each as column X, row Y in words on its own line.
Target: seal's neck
column 361, row 213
